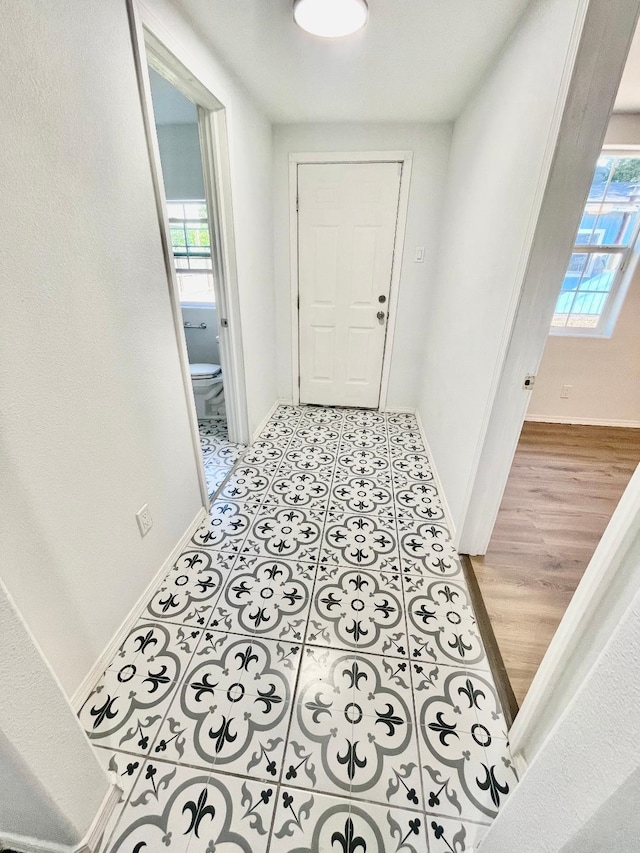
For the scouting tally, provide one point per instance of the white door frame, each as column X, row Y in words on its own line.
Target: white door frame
column 594, row 66
column 405, row 158
column 595, row 61
column 152, row 44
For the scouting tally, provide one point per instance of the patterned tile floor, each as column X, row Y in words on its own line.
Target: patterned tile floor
column 309, row 675
column 219, row 454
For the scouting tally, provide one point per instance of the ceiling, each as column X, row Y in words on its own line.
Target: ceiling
column 628, row 98
column 416, row 60
column 169, row 105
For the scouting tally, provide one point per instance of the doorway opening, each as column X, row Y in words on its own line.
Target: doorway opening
column 189, row 153
column 580, row 443
column 190, row 226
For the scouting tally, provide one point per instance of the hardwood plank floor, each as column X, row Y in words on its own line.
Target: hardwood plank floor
column 563, row 487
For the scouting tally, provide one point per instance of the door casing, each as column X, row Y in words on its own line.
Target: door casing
column 405, row 158
column 154, row 45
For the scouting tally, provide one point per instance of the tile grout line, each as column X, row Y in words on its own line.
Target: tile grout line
column 259, row 507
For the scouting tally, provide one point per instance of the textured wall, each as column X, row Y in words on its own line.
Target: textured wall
column 50, row 787
column 498, row 153
column 588, row 766
column 94, row 421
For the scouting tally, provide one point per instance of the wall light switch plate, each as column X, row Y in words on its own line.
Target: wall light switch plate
column 419, row 256
column 145, row 522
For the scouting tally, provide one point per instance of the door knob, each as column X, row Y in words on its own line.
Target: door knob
column 380, row 315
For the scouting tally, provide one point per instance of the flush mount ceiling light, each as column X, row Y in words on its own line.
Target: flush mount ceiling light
column 330, row 18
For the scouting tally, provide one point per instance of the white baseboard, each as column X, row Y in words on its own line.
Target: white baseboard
column 441, row 492
column 520, row 763
column 401, row 410
column 265, row 420
column 95, row 673
column 90, row 842
column 567, row 419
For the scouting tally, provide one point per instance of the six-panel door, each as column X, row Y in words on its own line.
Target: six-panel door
column 346, row 234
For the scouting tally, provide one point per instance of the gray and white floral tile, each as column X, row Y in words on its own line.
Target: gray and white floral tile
column 191, row 588
column 285, row 532
column 308, row 822
column 266, row 598
column 441, row 623
column 426, row 549
column 309, row 674
column 126, row 714
column 182, row 809
column 358, row 610
column 247, row 483
column 361, row 541
column 155, row 647
column 226, row 527
column 233, row 708
column 218, row 453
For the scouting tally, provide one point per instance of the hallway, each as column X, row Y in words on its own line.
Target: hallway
column 309, row 675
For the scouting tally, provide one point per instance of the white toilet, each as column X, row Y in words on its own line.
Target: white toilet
column 208, row 391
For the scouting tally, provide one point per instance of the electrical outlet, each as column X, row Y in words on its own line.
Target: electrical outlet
column 145, row 522
column 565, row 391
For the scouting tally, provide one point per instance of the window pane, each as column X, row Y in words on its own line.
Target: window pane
column 196, row 288
column 574, row 271
column 177, row 237
column 195, row 210
column 601, row 177
column 175, row 210
column 585, row 289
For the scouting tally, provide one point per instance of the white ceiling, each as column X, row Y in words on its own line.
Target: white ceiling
column 628, row 98
column 170, row 106
column 416, row 60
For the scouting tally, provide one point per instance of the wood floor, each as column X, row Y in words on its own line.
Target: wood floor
column 563, row 487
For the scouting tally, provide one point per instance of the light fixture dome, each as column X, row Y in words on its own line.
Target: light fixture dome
column 330, row 18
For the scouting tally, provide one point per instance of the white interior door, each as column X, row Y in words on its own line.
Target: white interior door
column 347, row 214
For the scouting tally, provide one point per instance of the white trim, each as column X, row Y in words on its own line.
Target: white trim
column 602, row 594
column 90, row 842
column 95, row 673
column 468, row 508
column 264, row 421
column 405, row 158
column 155, row 44
column 441, row 492
column 580, row 421
column 594, row 62
column 144, row 91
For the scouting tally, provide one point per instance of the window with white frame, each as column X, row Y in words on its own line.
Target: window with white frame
column 593, row 284
column 191, row 244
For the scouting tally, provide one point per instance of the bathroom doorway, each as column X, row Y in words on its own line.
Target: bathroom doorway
column 176, row 123
column 186, row 129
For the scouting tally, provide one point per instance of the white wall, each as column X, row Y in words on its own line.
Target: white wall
column 575, row 795
column 179, row 146
column 95, row 421
column 497, row 172
column 430, row 147
column 94, row 416
column 251, row 186
column 604, row 372
column 51, row 784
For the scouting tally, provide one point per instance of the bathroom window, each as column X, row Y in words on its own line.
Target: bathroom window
column 191, row 246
